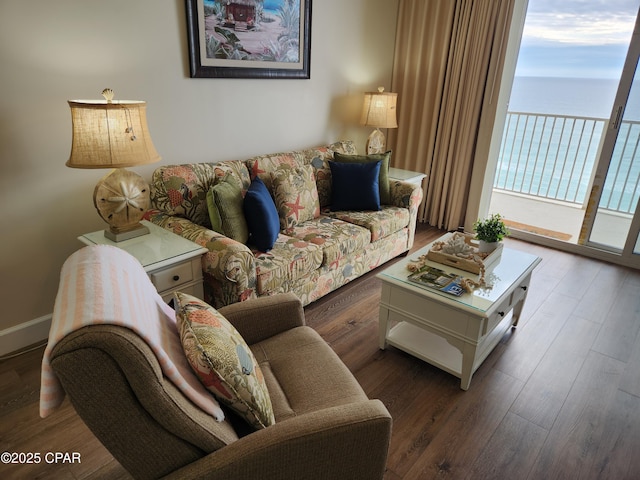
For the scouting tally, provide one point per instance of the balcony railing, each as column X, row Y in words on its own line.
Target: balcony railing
column 553, row 157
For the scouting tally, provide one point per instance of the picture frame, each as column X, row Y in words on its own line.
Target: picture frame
column 249, row 38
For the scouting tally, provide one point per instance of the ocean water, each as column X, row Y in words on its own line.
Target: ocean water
column 553, row 157
column 580, row 97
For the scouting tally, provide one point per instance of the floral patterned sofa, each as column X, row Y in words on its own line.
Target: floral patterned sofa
column 314, row 253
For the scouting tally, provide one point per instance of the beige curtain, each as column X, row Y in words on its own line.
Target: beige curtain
column 445, row 51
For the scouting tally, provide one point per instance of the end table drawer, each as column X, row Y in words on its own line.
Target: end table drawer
column 173, row 276
column 506, row 306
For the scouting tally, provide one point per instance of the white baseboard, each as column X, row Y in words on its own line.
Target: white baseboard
column 25, row 334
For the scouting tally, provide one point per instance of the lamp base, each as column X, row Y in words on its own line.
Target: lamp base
column 118, row 235
column 376, row 142
column 122, row 199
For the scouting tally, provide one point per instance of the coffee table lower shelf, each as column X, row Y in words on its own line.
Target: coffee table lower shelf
column 417, row 342
column 460, row 358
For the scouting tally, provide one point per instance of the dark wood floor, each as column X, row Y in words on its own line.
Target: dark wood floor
column 559, row 397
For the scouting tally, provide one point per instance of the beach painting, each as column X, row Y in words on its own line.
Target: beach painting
column 249, row 38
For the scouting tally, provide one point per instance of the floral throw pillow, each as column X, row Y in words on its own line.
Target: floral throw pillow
column 295, row 195
column 222, row 360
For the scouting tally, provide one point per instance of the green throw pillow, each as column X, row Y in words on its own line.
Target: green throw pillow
column 214, row 214
column 224, row 201
column 383, row 179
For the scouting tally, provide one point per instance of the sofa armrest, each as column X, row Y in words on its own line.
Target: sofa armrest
column 226, row 260
column 407, row 195
column 347, row 442
column 264, row 317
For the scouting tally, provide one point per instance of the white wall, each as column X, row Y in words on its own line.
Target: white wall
column 53, row 51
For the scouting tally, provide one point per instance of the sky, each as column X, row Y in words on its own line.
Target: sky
column 576, row 38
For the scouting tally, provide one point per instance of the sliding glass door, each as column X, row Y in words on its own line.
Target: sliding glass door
column 612, row 220
column 567, row 170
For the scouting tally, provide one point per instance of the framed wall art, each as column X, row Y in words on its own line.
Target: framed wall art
column 249, row 38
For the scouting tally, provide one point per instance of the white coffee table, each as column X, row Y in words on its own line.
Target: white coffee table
column 455, row 334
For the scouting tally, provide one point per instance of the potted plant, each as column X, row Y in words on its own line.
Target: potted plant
column 489, row 232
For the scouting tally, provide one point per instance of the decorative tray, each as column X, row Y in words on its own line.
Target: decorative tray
column 461, row 251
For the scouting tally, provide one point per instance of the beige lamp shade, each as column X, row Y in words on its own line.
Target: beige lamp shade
column 110, row 134
column 114, row 134
column 379, row 110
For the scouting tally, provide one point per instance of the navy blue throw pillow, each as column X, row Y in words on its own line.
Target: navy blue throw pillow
column 354, row 186
column 261, row 216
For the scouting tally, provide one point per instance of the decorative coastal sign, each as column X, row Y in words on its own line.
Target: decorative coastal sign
column 249, row 38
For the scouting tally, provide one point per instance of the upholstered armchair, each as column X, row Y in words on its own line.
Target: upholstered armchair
column 325, row 426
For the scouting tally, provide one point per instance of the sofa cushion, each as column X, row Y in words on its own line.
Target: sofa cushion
column 355, row 186
column 222, row 360
column 237, row 169
column 381, row 224
column 262, row 165
column 319, row 158
column 289, row 260
column 303, row 374
column 261, row 215
column 225, row 204
column 181, row 190
column 337, row 238
column 383, row 178
column 295, row 195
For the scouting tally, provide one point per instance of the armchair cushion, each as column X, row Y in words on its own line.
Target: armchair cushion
column 265, row 317
column 304, row 374
column 222, row 360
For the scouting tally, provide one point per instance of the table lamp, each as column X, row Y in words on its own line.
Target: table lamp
column 379, row 111
column 114, row 134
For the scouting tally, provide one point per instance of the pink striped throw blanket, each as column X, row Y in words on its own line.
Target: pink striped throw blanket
column 101, row 284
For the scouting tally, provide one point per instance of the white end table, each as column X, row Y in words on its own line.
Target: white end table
column 172, row 262
column 455, row 334
column 406, row 175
